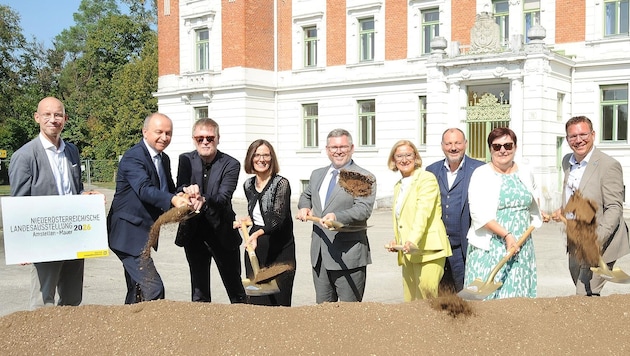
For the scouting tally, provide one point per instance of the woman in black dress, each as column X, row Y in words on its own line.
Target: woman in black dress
column 269, row 207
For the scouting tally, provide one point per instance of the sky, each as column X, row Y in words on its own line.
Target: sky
column 44, row 19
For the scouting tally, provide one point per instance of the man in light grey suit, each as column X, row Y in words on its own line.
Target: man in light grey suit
column 339, row 259
column 599, row 178
column 47, row 165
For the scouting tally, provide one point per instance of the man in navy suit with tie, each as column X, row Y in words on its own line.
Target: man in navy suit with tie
column 144, row 190
column 453, row 175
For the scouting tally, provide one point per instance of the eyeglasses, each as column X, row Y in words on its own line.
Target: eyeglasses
column 333, row 149
column 508, row 146
column 407, row 156
column 52, row 116
column 582, row 136
column 265, row 156
column 200, row 139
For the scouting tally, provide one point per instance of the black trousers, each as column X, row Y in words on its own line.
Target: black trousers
column 200, row 251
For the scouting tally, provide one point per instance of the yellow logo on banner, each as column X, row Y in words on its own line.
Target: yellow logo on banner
column 91, row 254
column 3, row 153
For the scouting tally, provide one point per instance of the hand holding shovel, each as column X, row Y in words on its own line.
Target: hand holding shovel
column 334, row 225
column 405, row 249
column 478, row 289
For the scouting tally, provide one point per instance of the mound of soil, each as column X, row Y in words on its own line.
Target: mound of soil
column 545, row 326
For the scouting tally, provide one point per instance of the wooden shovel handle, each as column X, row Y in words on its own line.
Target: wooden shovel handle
column 328, row 223
column 246, row 222
column 510, row 253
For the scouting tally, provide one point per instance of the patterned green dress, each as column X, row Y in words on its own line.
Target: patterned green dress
column 519, row 273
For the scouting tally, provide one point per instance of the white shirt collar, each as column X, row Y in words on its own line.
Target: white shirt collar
column 152, row 151
column 50, row 146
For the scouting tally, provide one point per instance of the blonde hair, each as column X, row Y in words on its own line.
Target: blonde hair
column 391, row 161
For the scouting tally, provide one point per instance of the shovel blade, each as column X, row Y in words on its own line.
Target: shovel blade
column 479, row 290
column 260, row 289
column 614, row 276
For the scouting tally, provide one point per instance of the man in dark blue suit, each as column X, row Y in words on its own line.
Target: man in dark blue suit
column 144, row 190
column 210, row 176
column 453, row 176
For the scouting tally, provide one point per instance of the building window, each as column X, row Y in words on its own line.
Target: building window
column 201, row 112
column 560, row 107
column 422, row 120
column 531, row 8
column 367, row 122
column 366, row 39
column 430, row 28
column 502, row 18
column 310, row 46
column 616, row 13
column 310, row 114
column 614, row 101
column 202, row 49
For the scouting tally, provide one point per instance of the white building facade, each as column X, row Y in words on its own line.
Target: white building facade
column 290, row 71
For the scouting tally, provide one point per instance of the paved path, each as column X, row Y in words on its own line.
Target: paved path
column 105, row 284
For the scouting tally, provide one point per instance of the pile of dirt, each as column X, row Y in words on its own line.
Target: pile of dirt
column 550, row 326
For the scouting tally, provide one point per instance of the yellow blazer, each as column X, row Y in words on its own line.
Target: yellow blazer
column 421, row 219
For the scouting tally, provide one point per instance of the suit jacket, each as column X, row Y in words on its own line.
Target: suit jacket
column 420, row 219
column 30, row 173
column 217, row 211
column 602, row 182
column 339, row 250
column 138, row 200
column 461, row 182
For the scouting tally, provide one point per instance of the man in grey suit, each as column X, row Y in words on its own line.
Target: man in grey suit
column 339, row 259
column 599, row 178
column 47, row 165
column 453, row 175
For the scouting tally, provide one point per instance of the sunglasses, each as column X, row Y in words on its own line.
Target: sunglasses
column 508, row 146
column 200, row 139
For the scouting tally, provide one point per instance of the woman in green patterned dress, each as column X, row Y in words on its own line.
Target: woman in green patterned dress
column 503, row 204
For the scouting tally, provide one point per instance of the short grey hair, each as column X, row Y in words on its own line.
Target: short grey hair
column 339, row 133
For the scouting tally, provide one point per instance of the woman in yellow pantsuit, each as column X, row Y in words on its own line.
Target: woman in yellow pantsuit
column 420, row 237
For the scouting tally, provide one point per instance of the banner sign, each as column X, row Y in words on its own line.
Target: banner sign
column 54, row 228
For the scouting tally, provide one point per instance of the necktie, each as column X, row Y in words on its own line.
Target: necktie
column 331, row 184
column 161, row 173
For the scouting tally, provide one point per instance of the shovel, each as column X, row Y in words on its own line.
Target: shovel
column 412, row 249
column 252, row 288
column 616, row 275
column 478, row 289
column 337, row 226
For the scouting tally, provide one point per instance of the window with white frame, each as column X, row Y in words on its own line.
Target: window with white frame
column 430, row 28
column 366, row 39
column 367, row 122
column 422, row 120
column 614, row 103
column 310, row 46
column 202, row 49
column 616, row 17
column 310, row 128
column 560, row 107
column 501, row 10
column 531, row 10
column 201, row 112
